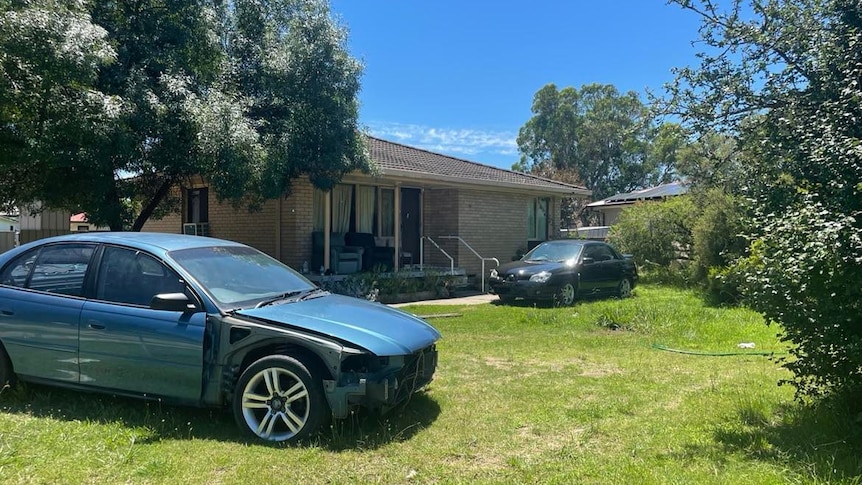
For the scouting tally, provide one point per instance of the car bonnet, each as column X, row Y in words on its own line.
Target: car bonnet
column 375, row 327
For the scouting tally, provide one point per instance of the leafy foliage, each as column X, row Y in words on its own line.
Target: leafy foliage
column 598, row 133
column 595, row 136
column 655, row 233
column 784, row 78
column 104, row 106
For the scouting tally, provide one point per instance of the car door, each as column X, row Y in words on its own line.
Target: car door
column 127, row 346
column 41, row 298
column 601, row 271
column 608, row 267
column 590, row 271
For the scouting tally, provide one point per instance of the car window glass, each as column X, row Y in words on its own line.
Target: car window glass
column 17, row 272
column 599, row 253
column 61, row 269
column 133, row 277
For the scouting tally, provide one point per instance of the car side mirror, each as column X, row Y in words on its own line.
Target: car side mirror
column 588, row 260
column 172, row 302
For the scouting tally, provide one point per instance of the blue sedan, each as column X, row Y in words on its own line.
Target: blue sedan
column 203, row 322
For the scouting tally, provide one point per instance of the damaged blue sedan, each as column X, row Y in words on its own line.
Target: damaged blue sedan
column 203, row 322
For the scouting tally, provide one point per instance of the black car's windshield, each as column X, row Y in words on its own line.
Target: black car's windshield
column 557, row 251
column 237, row 276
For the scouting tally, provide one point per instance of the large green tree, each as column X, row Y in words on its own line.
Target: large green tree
column 596, row 132
column 250, row 95
column 785, row 79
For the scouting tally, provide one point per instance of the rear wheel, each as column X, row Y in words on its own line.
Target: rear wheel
column 565, row 295
column 624, row 290
column 6, row 375
column 278, row 399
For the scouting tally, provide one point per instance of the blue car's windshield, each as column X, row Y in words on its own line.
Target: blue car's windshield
column 557, row 251
column 237, row 276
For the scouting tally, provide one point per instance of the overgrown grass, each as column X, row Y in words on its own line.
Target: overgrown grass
column 523, row 394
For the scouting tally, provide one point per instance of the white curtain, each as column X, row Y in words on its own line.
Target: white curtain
column 387, row 212
column 341, row 207
column 318, row 206
column 365, row 204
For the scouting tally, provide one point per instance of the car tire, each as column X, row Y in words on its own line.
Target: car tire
column 624, row 289
column 565, row 295
column 277, row 398
column 7, row 377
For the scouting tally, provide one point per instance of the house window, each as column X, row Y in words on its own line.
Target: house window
column 537, row 218
column 359, row 208
column 197, row 209
column 83, row 228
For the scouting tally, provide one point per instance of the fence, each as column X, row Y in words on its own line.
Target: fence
column 7, row 241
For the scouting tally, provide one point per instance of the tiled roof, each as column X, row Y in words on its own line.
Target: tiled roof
column 391, row 156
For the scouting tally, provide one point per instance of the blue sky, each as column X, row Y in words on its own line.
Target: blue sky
column 458, row 76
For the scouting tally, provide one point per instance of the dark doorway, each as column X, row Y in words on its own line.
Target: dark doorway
column 411, row 223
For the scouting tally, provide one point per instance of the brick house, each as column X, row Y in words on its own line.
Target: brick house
column 418, row 197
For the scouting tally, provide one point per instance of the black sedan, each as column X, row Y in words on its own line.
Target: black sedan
column 564, row 270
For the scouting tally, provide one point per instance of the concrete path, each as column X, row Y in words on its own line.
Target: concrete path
column 460, row 301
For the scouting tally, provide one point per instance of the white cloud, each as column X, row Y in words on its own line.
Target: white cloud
column 456, row 142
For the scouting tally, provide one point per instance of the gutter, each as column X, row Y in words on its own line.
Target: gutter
column 460, row 181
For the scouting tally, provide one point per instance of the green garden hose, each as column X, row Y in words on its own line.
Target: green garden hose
column 712, row 354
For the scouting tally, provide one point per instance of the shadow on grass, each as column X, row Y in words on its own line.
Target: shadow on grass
column 158, row 421
column 821, row 441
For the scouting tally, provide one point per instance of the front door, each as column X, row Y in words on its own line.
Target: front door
column 128, row 346
column 411, row 223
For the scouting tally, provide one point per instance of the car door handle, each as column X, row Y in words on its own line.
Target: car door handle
column 7, row 313
column 92, row 324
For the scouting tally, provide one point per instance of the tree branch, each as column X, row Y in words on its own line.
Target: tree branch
column 151, row 206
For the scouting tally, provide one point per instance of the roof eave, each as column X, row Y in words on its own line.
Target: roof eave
column 423, row 177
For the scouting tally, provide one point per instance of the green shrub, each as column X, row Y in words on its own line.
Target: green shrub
column 717, row 238
column 657, row 233
column 805, row 273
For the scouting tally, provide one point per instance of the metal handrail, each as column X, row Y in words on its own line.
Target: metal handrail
column 474, row 252
column 422, row 255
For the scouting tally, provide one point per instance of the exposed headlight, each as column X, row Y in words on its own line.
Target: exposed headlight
column 493, row 273
column 541, row 277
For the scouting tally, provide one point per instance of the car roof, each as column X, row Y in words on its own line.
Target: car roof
column 149, row 241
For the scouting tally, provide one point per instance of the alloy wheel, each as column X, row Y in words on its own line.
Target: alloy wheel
column 275, row 404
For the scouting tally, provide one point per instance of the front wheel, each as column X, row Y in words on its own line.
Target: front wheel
column 565, row 295
column 624, row 290
column 278, row 399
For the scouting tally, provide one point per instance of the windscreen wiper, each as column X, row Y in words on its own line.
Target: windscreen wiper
column 292, row 296
column 276, row 299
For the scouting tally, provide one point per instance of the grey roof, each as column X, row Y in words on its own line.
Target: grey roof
column 397, row 158
column 658, row 192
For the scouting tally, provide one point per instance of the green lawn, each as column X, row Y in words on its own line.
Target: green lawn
column 522, row 395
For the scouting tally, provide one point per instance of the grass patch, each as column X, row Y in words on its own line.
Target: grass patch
column 523, row 394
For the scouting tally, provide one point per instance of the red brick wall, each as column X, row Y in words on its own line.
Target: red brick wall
column 297, row 222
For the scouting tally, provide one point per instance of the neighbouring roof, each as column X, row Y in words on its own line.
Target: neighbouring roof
column 651, row 193
column 80, row 217
column 395, row 159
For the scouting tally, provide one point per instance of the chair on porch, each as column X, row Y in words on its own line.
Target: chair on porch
column 374, row 255
column 343, row 258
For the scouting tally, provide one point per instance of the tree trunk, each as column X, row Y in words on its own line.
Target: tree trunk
column 154, row 202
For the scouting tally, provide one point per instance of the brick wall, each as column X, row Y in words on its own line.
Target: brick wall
column 440, row 218
column 297, row 223
column 494, row 224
